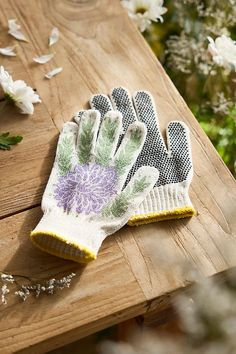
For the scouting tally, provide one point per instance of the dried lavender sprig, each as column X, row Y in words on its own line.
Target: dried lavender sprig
column 7, row 278
column 4, row 292
column 48, row 287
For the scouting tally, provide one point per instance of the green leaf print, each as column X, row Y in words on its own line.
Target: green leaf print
column 106, row 138
column 121, row 203
column 126, row 155
column 65, row 150
column 86, row 141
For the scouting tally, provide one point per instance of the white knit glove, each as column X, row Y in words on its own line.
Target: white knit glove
column 84, row 200
column 169, row 199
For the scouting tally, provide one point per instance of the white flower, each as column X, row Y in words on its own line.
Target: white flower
column 8, row 51
column 145, row 11
column 223, row 51
column 14, row 30
column 18, row 92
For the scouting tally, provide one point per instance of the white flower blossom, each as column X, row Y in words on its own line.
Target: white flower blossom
column 143, row 12
column 18, row 92
column 223, row 51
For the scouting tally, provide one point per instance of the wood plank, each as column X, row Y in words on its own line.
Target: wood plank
column 97, row 44
column 107, row 291
column 99, row 49
column 95, row 300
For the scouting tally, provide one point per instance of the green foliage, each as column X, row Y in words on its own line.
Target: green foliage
column 6, row 140
column 121, row 203
column 209, row 90
column 85, row 140
column 223, row 137
column 65, row 151
column 126, row 155
column 106, row 138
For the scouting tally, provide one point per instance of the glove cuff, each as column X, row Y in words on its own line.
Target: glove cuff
column 170, row 201
column 67, row 236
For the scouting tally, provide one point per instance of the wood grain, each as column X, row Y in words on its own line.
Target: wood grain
column 99, row 48
column 72, row 313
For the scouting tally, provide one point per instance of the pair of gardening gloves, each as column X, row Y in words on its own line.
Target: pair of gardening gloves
column 112, row 167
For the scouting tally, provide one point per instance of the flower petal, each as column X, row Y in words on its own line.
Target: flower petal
column 6, row 80
column 26, row 107
column 54, row 36
column 145, row 11
column 52, row 73
column 8, row 51
column 223, row 51
column 14, row 30
column 43, row 58
column 18, row 35
column 23, row 92
column 12, row 25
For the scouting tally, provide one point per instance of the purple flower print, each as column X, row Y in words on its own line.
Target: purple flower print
column 88, row 188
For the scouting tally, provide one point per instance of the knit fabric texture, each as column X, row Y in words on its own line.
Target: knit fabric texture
column 86, row 198
column 170, row 196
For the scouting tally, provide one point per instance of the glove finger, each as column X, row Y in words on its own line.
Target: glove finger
column 66, row 148
column 179, row 146
column 101, row 103
column 146, row 113
column 87, row 135
column 129, row 150
column 78, row 116
column 122, row 102
column 108, row 137
column 140, row 185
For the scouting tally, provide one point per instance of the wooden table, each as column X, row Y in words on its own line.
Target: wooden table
column 99, row 48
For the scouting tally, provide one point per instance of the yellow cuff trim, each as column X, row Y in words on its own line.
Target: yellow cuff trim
column 87, row 256
column 177, row 213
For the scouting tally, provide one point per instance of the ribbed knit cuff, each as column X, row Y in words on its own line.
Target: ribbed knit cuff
column 170, row 201
column 67, row 236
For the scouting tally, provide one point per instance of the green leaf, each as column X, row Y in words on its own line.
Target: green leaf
column 65, row 151
column 6, row 140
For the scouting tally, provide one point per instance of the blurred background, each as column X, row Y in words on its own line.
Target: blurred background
column 181, row 44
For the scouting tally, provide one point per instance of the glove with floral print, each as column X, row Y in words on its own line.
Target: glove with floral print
column 170, row 197
column 84, row 200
